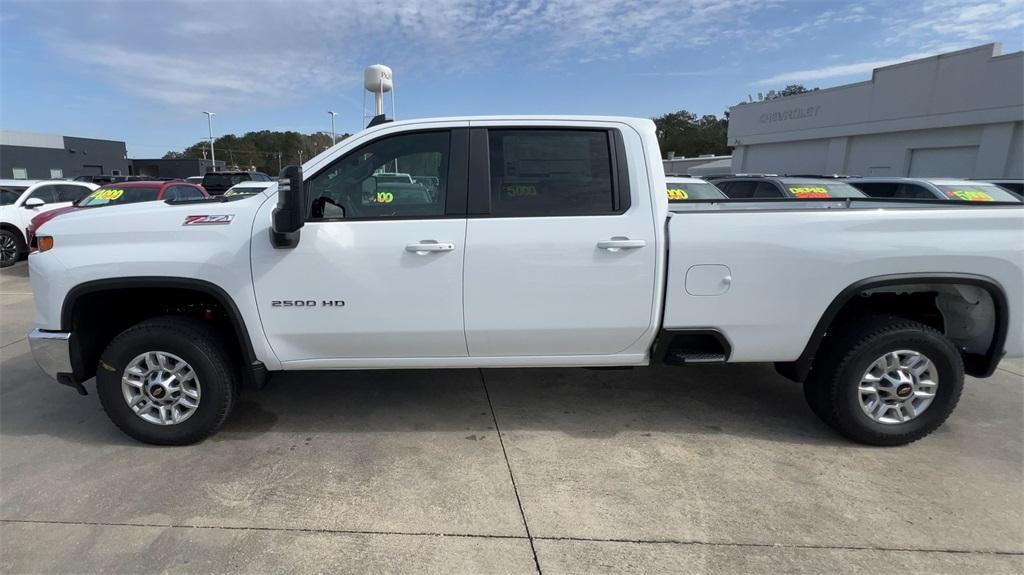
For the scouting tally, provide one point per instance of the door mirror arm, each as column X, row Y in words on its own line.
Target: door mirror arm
column 288, row 216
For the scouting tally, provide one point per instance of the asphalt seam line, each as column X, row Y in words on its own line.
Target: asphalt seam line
column 683, row 542
column 13, row 342
column 511, row 476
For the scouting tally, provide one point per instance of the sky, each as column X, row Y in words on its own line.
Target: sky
column 144, row 71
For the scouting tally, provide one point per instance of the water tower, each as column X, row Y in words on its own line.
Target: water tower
column 378, row 80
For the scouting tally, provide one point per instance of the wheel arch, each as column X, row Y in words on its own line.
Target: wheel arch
column 253, row 370
column 976, row 364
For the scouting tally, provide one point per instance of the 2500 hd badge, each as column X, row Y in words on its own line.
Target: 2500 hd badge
column 307, row 303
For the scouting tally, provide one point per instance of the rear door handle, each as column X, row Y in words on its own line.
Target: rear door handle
column 424, row 247
column 620, row 243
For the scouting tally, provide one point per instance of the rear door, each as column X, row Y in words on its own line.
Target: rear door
column 561, row 257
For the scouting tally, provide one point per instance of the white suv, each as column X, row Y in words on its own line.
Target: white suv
column 22, row 200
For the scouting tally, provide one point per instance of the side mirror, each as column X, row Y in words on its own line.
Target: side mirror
column 34, row 203
column 289, row 214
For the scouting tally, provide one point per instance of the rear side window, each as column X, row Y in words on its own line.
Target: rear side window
column 878, row 189
column 71, row 193
column 537, row 172
column 739, row 189
column 46, row 193
column 189, row 193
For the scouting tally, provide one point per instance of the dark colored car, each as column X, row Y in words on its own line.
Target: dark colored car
column 122, row 193
column 101, row 179
column 219, row 182
column 761, row 187
column 939, row 189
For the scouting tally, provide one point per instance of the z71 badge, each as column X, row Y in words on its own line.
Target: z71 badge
column 209, row 220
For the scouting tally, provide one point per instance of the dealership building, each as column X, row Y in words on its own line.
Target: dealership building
column 35, row 156
column 953, row 115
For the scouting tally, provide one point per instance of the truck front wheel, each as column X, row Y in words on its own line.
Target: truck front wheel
column 885, row 380
column 167, row 381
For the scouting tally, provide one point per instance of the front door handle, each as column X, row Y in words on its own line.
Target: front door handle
column 424, row 247
column 620, row 243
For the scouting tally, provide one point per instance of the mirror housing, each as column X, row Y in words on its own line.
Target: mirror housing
column 33, row 203
column 288, row 216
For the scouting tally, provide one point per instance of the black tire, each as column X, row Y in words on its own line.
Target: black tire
column 9, row 238
column 831, row 389
column 189, row 339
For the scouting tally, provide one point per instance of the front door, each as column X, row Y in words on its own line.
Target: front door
column 378, row 269
column 561, row 260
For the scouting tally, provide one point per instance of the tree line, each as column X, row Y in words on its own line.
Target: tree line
column 682, row 132
column 690, row 135
column 265, row 151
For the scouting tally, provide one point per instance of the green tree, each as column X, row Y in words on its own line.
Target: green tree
column 688, row 135
column 265, row 150
column 790, row 90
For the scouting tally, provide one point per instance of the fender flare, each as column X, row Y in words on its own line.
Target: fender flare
column 798, row 369
column 254, row 369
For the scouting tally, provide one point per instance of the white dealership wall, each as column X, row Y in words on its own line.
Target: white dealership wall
column 953, row 115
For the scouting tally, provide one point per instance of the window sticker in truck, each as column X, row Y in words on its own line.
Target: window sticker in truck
column 969, row 195
column 809, row 192
column 519, row 190
column 677, row 194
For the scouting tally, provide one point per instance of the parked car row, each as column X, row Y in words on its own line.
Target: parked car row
column 25, row 205
column 772, row 186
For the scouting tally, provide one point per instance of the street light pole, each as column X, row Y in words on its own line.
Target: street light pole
column 209, row 121
column 334, row 138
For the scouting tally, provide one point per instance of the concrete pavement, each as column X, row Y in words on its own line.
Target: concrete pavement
column 711, row 470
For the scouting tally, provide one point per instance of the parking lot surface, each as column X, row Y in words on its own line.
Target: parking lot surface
column 711, row 470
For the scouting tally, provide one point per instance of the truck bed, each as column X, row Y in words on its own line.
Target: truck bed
column 762, row 273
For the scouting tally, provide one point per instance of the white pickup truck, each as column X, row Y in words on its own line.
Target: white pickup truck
column 547, row 242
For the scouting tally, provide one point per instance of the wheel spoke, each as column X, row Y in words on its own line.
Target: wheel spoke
column 161, row 388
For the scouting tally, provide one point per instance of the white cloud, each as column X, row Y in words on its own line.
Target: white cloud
column 944, row 21
column 841, row 70
column 187, row 53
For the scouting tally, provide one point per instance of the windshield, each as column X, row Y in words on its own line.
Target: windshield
column 120, row 195
column 243, row 191
column 977, row 193
column 816, row 189
column 678, row 192
column 10, row 194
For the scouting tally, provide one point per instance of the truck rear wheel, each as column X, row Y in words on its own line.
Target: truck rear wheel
column 886, row 381
column 167, row 381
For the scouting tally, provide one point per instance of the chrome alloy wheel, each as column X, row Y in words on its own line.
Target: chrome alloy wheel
column 161, row 388
column 8, row 249
column 898, row 387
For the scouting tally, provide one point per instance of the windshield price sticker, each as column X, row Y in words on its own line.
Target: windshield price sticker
column 677, row 194
column 384, row 198
column 970, row 195
column 109, row 195
column 809, row 192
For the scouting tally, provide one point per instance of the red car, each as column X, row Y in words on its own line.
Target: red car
column 121, row 193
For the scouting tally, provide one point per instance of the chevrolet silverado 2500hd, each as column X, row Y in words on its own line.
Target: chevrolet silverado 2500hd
column 546, row 242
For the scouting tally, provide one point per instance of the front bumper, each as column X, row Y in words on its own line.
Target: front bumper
column 52, row 352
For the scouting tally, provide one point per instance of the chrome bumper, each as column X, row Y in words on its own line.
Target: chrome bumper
column 52, row 352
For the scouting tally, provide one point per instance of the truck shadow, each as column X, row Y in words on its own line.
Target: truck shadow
column 741, row 400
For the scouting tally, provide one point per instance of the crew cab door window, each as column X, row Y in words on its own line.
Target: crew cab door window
column 374, row 181
column 542, row 274
column 551, row 173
